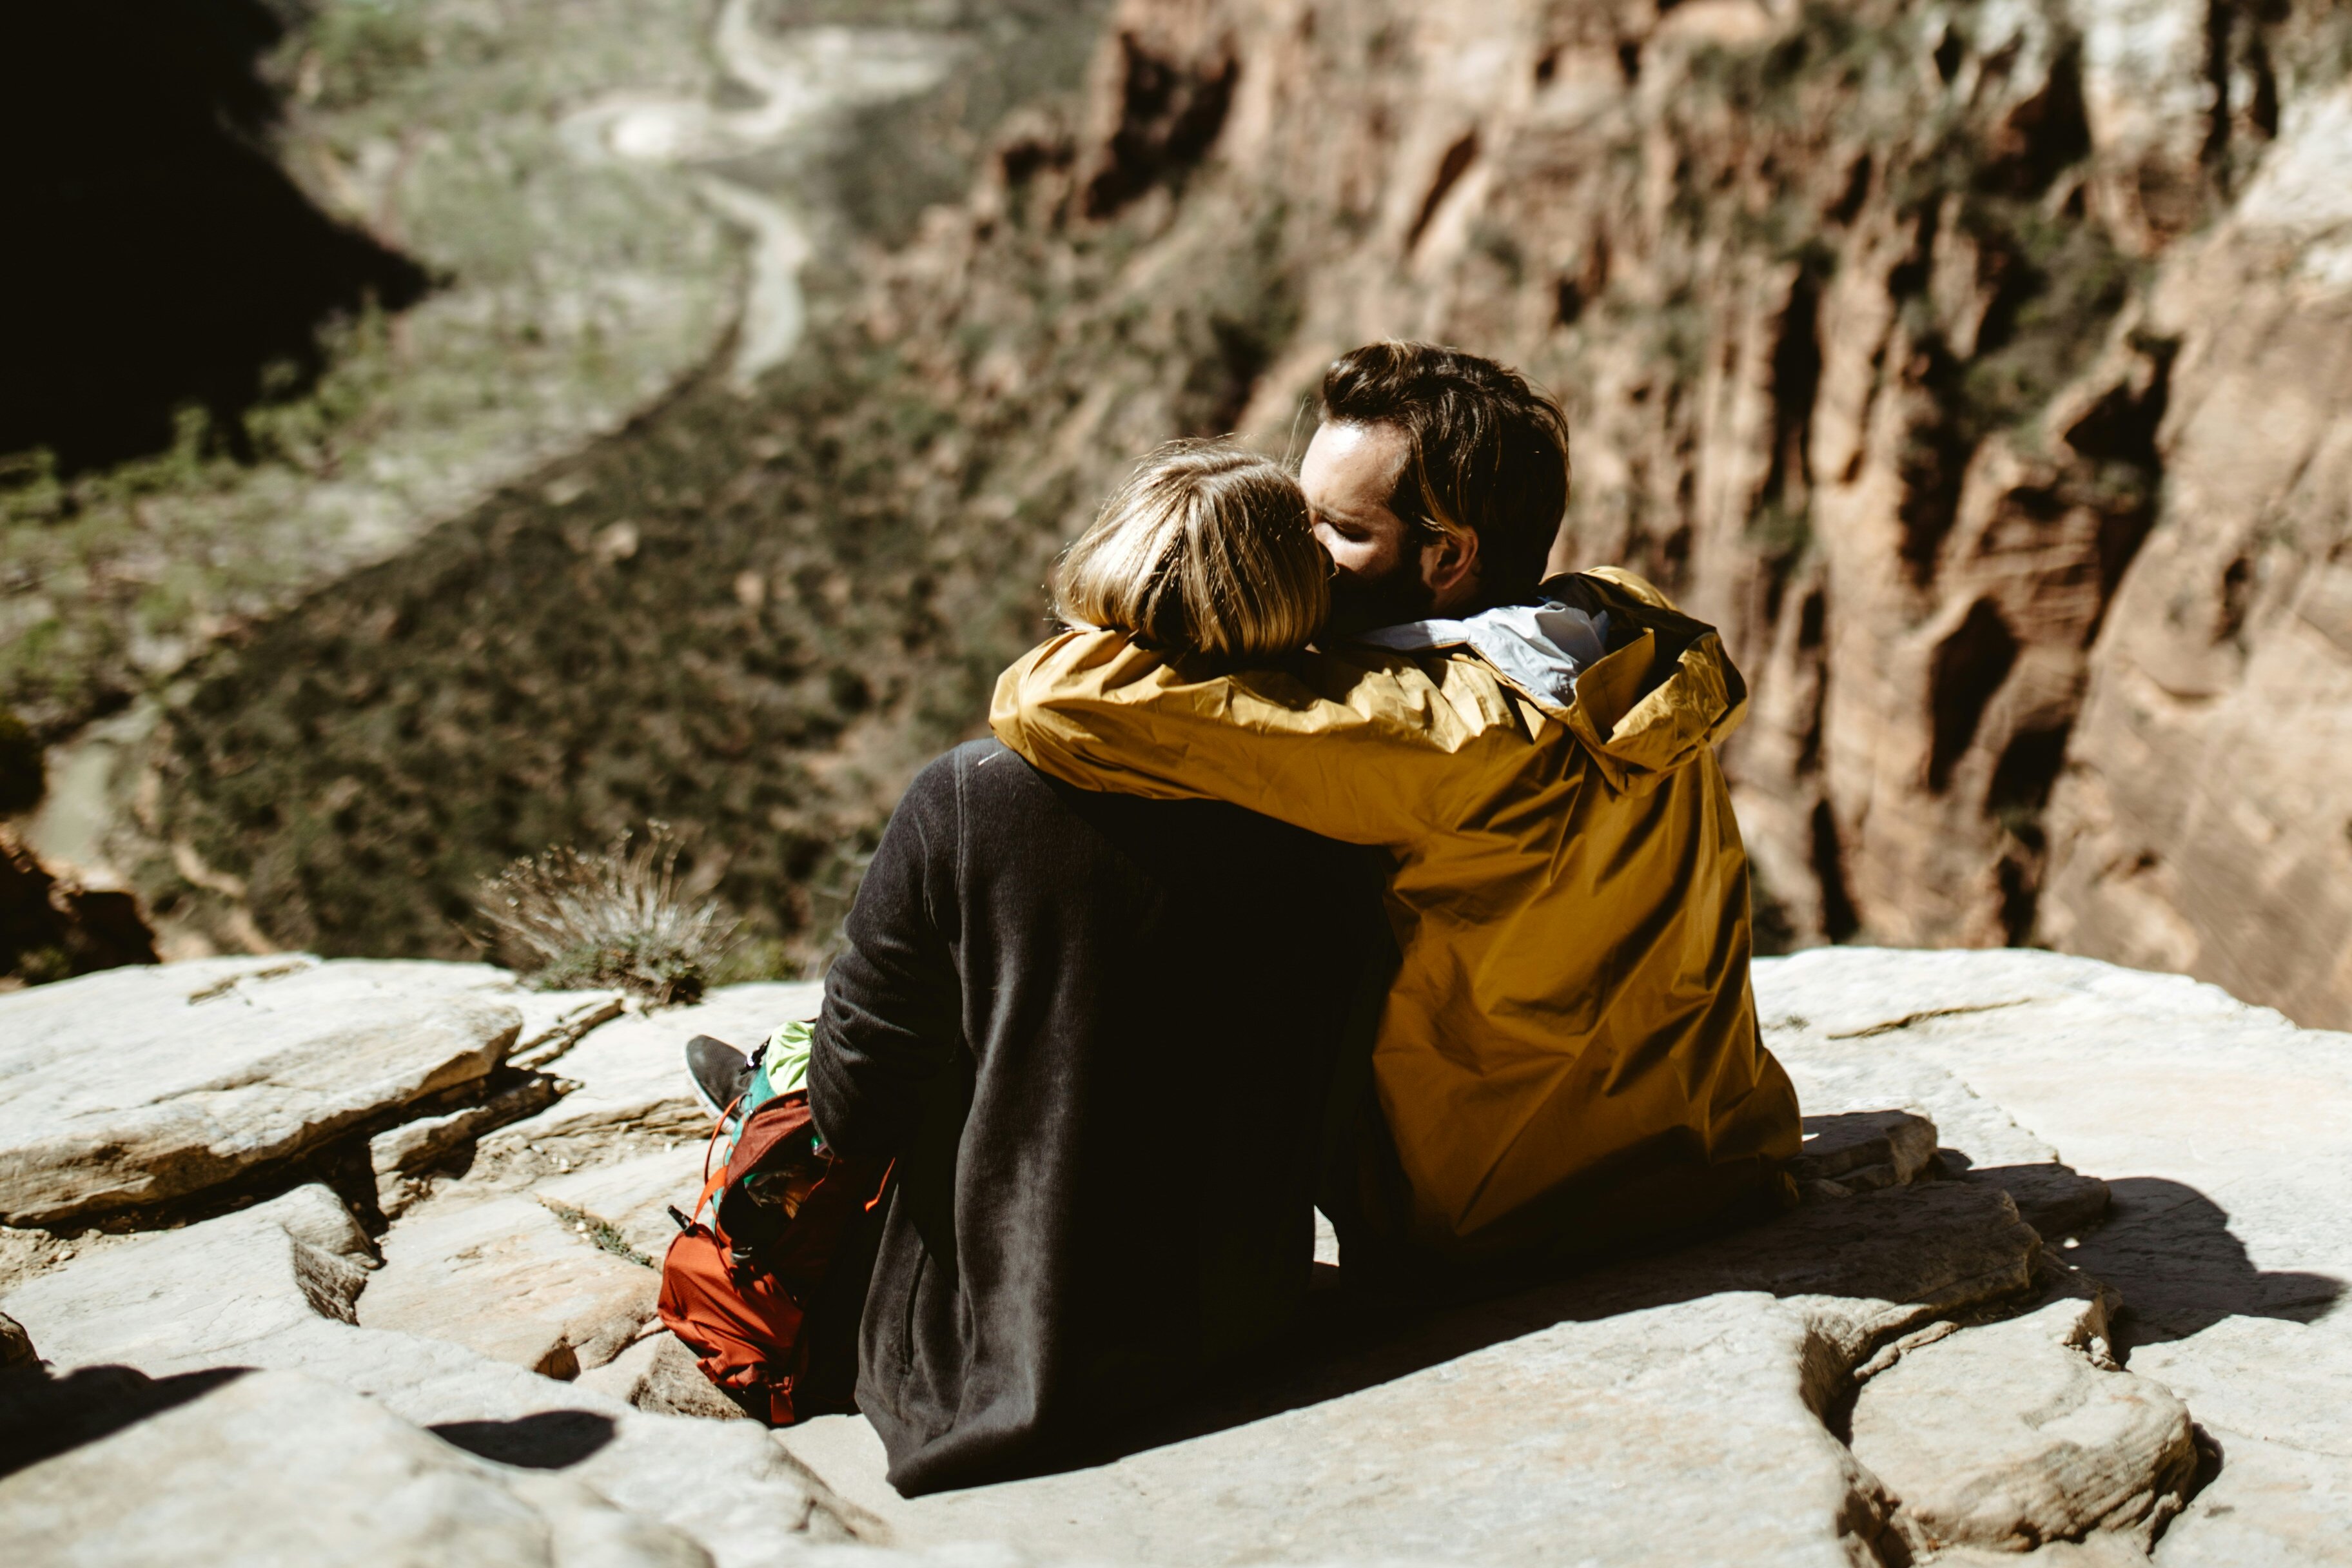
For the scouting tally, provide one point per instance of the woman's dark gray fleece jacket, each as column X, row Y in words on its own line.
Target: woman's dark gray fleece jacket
column 1098, row 1034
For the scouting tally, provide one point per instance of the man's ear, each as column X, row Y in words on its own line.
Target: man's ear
column 1449, row 566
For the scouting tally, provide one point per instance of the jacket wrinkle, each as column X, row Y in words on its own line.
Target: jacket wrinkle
column 1570, row 896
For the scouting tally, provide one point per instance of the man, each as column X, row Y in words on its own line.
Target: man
column 1569, row 1058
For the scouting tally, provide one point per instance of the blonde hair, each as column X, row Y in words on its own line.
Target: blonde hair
column 1206, row 548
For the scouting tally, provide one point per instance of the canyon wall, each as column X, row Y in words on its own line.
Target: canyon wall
column 1971, row 366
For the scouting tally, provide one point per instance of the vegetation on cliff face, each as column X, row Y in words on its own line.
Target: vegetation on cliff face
column 749, row 616
column 296, row 281
column 1923, row 185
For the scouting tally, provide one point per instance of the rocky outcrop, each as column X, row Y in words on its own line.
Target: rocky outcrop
column 2228, row 1234
column 513, row 1279
column 2022, row 1431
column 1957, row 1349
column 138, row 1086
column 265, row 1289
column 1974, row 1411
column 1675, row 1409
column 53, row 926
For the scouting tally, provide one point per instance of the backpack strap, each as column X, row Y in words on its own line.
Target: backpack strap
column 710, row 1189
column 710, row 1184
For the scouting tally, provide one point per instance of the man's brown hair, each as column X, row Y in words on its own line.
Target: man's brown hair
column 1485, row 451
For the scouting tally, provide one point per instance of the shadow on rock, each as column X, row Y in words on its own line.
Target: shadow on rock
column 1942, row 1246
column 549, row 1440
column 162, row 257
column 1955, row 1247
column 2169, row 1248
column 2056, row 1200
column 42, row 1417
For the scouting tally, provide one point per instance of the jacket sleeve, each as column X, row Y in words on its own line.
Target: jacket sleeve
column 889, row 1023
column 1366, row 752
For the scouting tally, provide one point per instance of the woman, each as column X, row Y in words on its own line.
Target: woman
column 1097, row 1033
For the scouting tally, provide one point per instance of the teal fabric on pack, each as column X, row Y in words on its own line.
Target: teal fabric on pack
column 783, row 1067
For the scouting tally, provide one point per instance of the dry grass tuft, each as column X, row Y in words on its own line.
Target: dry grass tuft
column 616, row 918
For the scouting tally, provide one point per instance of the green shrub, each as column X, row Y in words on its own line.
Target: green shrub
column 604, row 1233
column 616, row 918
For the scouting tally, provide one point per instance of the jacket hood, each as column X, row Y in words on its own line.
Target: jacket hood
column 1645, row 688
column 1541, row 648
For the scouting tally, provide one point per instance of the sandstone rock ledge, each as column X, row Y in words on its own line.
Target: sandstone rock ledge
column 1958, row 1348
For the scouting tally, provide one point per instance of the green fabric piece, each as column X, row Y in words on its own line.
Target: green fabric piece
column 786, row 1064
column 783, row 1067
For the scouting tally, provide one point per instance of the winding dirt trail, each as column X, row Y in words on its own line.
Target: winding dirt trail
column 803, row 78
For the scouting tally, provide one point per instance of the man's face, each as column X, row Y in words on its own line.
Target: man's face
column 1349, row 474
column 1384, row 574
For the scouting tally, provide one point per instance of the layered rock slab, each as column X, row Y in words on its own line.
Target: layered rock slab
column 2013, row 1433
column 279, row 1467
column 659, row 1372
column 2224, row 1129
column 220, row 1292
column 631, row 1199
column 136, row 1085
column 513, row 1279
column 406, row 1158
column 1687, row 1423
column 2273, row 1396
column 2225, row 1136
column 545, row 1254
column 1863, row 1151
column 2220, row 1125
column 276, row 1287
column 2223, row 1132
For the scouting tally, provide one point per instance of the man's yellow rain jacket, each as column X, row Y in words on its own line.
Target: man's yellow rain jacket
column 1568, row 1054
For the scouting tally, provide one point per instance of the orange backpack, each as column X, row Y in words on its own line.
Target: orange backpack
column 767, row 1294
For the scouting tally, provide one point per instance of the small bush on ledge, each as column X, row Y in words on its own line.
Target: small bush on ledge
column 616, row 918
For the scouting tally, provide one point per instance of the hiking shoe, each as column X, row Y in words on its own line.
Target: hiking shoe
column 721, row 1072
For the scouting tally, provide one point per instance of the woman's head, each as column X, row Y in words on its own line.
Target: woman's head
column 1206, row 548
